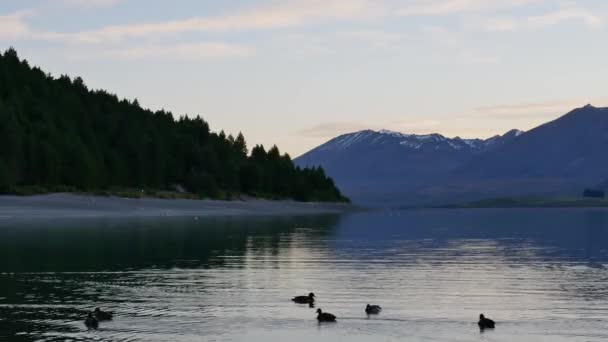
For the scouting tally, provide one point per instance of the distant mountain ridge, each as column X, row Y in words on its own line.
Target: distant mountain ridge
column 559, row 157
column 573, row 145
column 414, row 141
column 369, row 164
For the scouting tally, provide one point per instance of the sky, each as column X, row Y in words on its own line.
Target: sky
column 297, row 73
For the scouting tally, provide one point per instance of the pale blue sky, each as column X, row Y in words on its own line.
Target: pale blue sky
column 297, row 73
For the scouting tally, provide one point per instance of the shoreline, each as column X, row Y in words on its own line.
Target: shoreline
column 530, row 203
column 66, row 205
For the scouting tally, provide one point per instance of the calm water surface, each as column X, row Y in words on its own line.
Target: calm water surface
column 540, row 273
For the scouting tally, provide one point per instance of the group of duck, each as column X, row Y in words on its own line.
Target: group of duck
column 484, row 323
column 93, row 318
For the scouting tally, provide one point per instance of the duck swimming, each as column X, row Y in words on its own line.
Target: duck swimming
column 325, row 316
column 372, row 309
column 485, row 323
column 91, row 322
column 102, row 315
column 310, row 299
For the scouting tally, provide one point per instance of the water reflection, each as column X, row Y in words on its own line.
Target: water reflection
column 565, row 234
column 540, row 273
column 96, row 245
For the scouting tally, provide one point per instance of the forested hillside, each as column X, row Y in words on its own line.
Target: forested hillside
column 56, row 132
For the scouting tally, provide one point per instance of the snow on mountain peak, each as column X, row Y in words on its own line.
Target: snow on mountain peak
column 433, row 136
column 347, row 140
column 432, row 141
column 394, row 133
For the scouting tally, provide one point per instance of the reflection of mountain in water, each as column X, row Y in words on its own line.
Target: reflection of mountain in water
column 537, row 270
column 580, row 234
column 576, row 234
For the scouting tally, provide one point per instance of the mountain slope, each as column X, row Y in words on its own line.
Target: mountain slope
column 558, row 158
column 574, row 145
column 371, row 166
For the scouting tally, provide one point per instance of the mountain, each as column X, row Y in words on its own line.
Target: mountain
column 572, row 146
column 375, row 166
column 55, row 133
column 558, row 158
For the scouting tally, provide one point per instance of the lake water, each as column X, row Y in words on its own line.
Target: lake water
column 540, row 273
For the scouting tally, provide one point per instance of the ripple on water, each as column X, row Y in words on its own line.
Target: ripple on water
column 232, row 281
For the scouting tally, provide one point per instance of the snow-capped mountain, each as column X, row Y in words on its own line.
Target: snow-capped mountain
column 427, row 142
column 560, row 157
column 368, row 162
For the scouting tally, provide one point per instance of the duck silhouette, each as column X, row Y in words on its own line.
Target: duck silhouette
column 310, row 299
column 91, row 322
column 485, row 323
column 372, row 309
column 325, row 316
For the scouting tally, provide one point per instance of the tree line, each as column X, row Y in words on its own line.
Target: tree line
column 57, row 132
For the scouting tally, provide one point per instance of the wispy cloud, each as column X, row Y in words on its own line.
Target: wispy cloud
column 300, row 13
column 334, row 128
column 91, row 3
column 535, row 110
column 500, row 24
column 566, row 12
column 280, row 15
column 480, row 122
column 274, row 16
column 444, row 7
column 373, row 38
column 14, row 25
column 191, row 51
column 454, row 47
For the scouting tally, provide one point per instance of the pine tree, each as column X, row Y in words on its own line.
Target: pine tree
column 240, row 144
column 57, row 132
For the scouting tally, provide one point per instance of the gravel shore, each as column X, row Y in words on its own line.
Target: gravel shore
column 77, row 206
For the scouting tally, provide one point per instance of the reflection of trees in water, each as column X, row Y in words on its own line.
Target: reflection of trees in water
column 520, row 237
column 91, row 257
column 118, row 245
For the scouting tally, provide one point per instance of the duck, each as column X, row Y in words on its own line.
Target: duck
column 102, row 315
column 485, row 323
column 310, row 299
column 91, row 322
column 372, row 309
column 325, row 316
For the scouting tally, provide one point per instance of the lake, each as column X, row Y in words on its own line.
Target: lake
column 540, row 273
